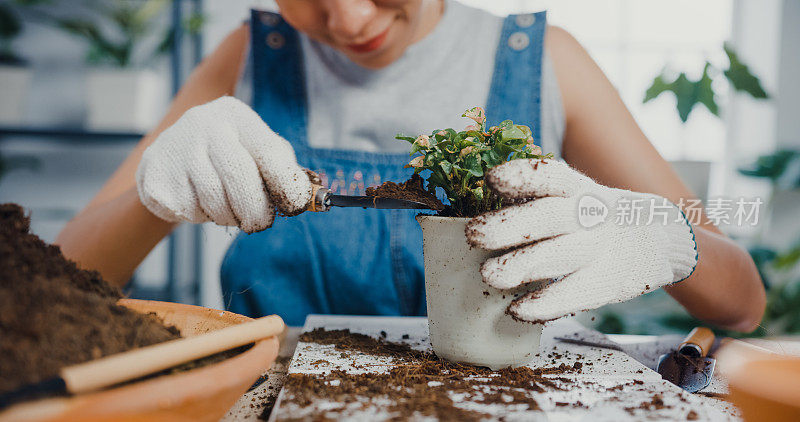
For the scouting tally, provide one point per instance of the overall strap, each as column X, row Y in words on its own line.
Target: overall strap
column 279, row 90
column 515, row 93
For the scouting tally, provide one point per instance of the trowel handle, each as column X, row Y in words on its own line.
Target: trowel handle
column 319, row 199
column 697, row 343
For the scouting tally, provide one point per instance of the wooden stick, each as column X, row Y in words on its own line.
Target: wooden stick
column 135, row 363
column 699, row 341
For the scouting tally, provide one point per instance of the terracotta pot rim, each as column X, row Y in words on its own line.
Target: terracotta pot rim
column 206, row 381
column 749, row 379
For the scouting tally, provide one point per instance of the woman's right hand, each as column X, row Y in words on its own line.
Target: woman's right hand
column 220, row 162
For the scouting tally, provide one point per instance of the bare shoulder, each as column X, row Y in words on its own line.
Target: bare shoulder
column 564, row 49
column 558, row 39
column 577, row 73
column 218, row 67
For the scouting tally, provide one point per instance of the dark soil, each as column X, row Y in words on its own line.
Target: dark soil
column 54, row 314
column 421, row 383
column 412, row 189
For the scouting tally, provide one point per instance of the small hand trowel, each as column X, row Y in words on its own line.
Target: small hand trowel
column 323, row 200
column 689, row 367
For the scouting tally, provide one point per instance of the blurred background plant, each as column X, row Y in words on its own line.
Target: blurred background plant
column 690, row 93
column 10, row 29
column 9, row 163
column 779, row 268
column 119, row 33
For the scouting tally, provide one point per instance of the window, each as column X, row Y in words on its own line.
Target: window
column 632, row 40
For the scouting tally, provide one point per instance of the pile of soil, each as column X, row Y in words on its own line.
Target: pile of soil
column 54, row 314
column 421, row 383
column 411, row 190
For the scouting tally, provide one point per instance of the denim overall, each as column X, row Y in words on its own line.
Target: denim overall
column 351, row 260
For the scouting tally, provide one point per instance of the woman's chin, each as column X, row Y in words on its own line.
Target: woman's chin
column 375, row 60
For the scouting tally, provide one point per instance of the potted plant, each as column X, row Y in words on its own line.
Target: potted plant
column 467, row 318
column 15, row 76
column 124, row 92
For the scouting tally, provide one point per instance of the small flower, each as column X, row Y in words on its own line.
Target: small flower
column 423, row 141
column 471, row 128
column 442, row 133
column 417, row 162
column 477, row 114
column 466, row 151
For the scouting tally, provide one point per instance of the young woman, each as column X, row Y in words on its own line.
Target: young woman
column 334, row 81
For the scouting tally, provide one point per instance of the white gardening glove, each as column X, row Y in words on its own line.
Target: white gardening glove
column 220, row 162
column 594, row 259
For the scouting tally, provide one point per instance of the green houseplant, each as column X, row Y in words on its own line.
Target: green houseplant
column 457, row 161
column 466, row 317
column 124, row 39
column 689, row 93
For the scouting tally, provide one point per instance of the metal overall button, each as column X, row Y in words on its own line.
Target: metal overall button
column 275, row 40
column 519, row 41
column 524, row 21
column 270, row 19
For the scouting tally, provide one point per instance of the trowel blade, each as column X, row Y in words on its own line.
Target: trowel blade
column 690, row 373
column 376, row 202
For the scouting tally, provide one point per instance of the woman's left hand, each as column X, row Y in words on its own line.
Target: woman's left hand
column 600, row 245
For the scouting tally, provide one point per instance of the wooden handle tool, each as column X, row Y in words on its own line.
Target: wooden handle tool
column 322, row 200
column 697, row 343
column 121, row 367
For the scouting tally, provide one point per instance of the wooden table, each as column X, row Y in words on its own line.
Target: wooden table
column 600, row 400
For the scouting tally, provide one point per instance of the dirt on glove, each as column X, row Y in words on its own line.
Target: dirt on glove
column 412, row 190
column 54, row 314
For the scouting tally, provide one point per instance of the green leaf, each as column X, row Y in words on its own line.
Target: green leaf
column 513, row 132
column 705, row 93
column 491, row 158
column 740, row 76
column 685, row 93
column 782, row 168
column 525, row 130
column 473, row 164
column 788, row 259
column 409, row 139
column 656, row 88
column 446, row 166
column 688, row 93
column 478, row 193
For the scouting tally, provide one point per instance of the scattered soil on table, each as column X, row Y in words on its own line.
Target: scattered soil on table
column 656, row 402
column 412, row 190
column 54, row 314
column 420, row 383
column 718, row 396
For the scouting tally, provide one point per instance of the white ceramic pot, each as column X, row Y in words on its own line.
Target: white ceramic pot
column 124, row 99
column 14, row 83
column 466, row 317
